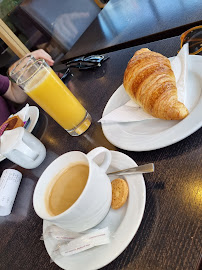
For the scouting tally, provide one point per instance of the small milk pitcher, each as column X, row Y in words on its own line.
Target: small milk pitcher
column 22, row 148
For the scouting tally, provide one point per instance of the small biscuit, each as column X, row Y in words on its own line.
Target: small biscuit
column 119, row 193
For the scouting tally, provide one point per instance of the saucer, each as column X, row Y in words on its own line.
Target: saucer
column 33, row 114
column 157, row 133
column 122, row 223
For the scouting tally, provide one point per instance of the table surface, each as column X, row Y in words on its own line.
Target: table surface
column 169, row 236
column 127, row 23
column 64, row 21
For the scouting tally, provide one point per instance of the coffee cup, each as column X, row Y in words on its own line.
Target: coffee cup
column 73, row 192
column 22, row 148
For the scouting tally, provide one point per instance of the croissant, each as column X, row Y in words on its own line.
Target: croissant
column 150, row 82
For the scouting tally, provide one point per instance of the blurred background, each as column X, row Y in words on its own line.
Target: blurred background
column 52, row 25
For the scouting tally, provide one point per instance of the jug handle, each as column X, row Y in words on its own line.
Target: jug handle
column 26, row 150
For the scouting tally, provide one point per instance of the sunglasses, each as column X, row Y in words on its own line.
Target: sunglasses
column 84, row 62
column 193, row 36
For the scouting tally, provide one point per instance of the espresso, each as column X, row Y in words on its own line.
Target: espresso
column 66, row 188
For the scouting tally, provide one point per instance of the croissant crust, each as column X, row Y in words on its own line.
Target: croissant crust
column 150, row 82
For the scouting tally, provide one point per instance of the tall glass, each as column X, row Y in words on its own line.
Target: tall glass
column 42, row 84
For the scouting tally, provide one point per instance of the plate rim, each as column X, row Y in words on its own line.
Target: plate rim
column 35, row 109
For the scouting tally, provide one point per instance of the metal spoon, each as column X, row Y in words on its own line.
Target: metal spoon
column 147, row 168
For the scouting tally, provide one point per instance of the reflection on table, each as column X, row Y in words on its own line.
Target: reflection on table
column 128, row 23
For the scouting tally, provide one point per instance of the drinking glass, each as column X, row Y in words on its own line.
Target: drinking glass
column 193, row 36
column 43, row 85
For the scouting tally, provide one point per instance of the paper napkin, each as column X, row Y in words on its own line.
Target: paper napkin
column 130, row 111
column 23, row 113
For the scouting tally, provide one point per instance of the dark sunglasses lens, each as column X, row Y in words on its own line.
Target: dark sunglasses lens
column 67, row 72
column 194, row 38
column 94, row 58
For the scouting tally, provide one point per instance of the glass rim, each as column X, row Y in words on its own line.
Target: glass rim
column 184, row 34
column 27, row 67
column 12, row 72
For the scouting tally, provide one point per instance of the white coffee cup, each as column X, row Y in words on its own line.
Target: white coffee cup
column 95, row 200
column 22, row 148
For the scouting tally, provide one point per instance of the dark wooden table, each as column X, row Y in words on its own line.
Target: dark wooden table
column 127, row 23
column 169, row 236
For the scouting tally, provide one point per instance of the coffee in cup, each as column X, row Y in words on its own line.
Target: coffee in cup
column 65, row 188
column 82, row 201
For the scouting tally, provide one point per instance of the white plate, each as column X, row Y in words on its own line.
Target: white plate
column 33, row 113
column 122, row 223
column 154, row 134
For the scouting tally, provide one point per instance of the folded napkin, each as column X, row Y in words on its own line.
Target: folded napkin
column 130, row 111
column 23, row 113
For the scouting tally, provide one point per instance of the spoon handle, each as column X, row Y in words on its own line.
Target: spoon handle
column 147, row 168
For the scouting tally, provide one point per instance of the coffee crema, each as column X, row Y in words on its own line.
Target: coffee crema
column 65, row 188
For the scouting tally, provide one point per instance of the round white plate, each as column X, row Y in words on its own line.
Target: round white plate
column 156, row 133
column 33, row 114
column 122, row 223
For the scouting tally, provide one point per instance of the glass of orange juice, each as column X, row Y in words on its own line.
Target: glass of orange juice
column 43, row 85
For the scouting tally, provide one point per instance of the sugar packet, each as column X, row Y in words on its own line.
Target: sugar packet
column 59, row 234
column 96, row 238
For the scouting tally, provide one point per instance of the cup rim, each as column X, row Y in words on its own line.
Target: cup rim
column 55, row 218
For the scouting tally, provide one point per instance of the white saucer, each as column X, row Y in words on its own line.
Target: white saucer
column 156, row 133
column 33, row 113
column 122, row 223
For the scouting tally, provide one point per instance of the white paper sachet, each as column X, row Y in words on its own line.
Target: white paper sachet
column 80, row 244
column 130, row 111
column 60, row 234
column 9, row 184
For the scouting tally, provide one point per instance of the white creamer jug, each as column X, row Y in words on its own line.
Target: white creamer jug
column 22, row 148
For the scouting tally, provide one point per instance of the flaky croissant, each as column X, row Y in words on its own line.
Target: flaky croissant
column 150, row 82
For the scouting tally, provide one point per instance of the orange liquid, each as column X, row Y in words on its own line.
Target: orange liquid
column 51, row 94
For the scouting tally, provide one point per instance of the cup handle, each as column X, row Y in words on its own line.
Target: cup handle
column 26, row 150
column 107, row 159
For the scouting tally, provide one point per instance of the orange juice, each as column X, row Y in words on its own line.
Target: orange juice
column 49, row 92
